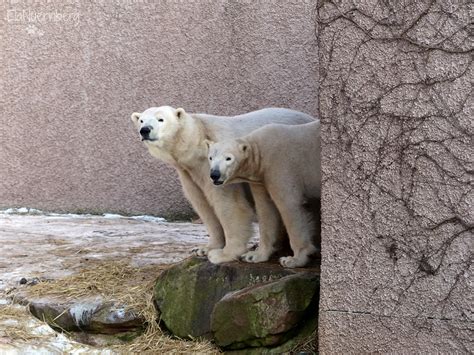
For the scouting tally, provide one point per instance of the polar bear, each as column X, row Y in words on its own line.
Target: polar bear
column 287, row 160
column 178, row 137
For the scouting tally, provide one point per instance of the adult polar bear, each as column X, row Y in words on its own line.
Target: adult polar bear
column 287, row 159
column 178, row 138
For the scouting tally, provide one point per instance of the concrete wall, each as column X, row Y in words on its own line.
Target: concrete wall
column 73, row 72
column 397, row 236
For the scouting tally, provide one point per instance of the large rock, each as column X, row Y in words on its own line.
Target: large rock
column 187, row 293
column 263, row 315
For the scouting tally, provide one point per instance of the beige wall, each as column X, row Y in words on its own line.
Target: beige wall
column 72, row 73
column 397, row 235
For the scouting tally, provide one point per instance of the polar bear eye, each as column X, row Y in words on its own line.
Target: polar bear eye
column 210, row 158
column 141, row 121
column 160, row 120
column 228, row 158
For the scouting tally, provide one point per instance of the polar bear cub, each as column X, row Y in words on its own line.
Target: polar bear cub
column 287, row 160
column 177, row 137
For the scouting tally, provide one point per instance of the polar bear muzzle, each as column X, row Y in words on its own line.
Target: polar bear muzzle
column 215, row 177
column 145, row 132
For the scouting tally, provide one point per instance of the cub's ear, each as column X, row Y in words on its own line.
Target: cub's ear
column 180, row 112
column 243, row 147
column 208, row 143
column 135, row 117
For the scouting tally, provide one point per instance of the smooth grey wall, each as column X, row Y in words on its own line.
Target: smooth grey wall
column 73, row 72
column 396, row 106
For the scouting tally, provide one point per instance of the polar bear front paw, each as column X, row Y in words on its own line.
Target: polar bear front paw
column 201, row 251
column 217, row 256
column 255, row 256
column 292, row 262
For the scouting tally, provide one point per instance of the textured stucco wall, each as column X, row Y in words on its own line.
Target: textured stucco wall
column 73, row 72
column 396, row 106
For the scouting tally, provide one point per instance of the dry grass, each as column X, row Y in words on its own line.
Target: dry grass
column 16, row 319
column 112, row 280
column 307, row 345
column 153, row 341
column 14, row 322
column 119, row 282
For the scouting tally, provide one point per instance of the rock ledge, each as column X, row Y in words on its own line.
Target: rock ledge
column 237, row 305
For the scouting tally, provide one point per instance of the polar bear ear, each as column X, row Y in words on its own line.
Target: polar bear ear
column 135, row 117
column 180, row 112
column 208, row 143
column 243, row 147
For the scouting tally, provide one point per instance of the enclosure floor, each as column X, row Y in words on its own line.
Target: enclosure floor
column 50, row 247
column 55, row 246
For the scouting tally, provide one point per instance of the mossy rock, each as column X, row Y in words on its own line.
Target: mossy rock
column 302, row 340
column 264, row 315
column 186, row 293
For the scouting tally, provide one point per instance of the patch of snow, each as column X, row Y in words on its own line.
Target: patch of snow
column 67, row 215
column 112, row 215
column 36, row 212
column 42, row 329
column 144, row 218
column 82, row 312
column 149, row 219
column 10, row 322
column 120, row 312
column 50, row 342
column 21, row 210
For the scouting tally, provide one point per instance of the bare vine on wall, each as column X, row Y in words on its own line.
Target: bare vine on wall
column 396, row 106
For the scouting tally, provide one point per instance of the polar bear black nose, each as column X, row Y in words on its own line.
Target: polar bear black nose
column 145, row 131
column 215, row 175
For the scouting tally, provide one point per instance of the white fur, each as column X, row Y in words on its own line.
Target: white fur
column 287, row 160
column 178, row 138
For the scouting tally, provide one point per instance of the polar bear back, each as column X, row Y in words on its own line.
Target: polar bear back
column 228, row 127
column 291, row 154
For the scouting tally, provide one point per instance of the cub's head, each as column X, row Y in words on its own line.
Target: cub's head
column 157, row 125
column 225, row 159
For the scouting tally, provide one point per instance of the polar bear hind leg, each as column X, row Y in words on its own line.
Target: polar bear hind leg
column 299, row 223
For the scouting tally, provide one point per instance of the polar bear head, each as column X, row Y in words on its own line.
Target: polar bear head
column 158, row 125
column 226, row 159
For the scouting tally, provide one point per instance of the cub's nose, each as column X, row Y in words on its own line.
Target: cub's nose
column 145, row 131
column 215, row 175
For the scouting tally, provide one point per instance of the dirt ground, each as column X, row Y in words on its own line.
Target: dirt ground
column 50, row 246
